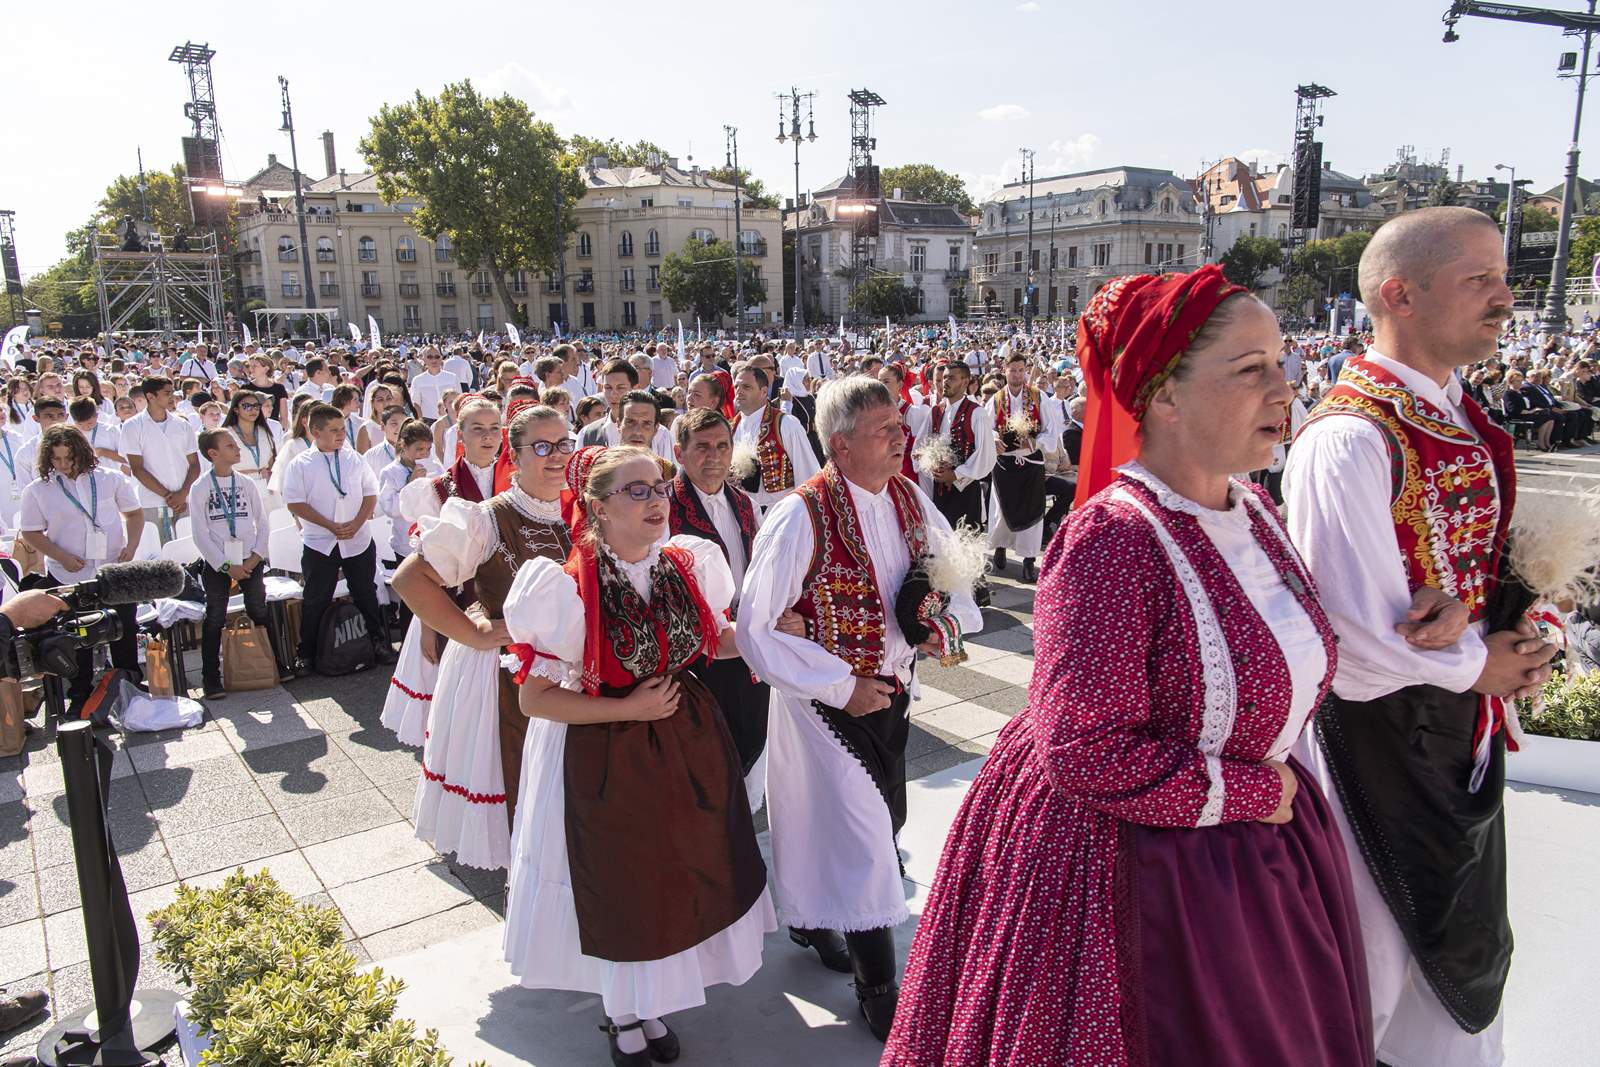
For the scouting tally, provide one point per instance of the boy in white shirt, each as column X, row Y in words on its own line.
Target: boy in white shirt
column 333, row 493
column 429, row 387
column 103, row 439
column 48, row 411
column 411, row 464
column 230, row 532
column 18, row 467
column 387, row 450
column 319, row 383
column 162, row 455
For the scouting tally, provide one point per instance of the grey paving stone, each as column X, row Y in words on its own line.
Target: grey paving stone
column 141, row 869
column 301, row 772
column 1015, row 638
column 21, row 950
column 429, row 930
column 225, row 847
column 402, row 793
column 485, row 885
column 925, row 739
column 1008, row 701
column 965, row 720
column 950, row 756
column 16, row 845
column 961, row 682
column 322, row 820
column 402, row 764
column 368, row 741
column 212, row 809
column 168, row 785
column 371, row 852
column 19, row 898
column 399, row 897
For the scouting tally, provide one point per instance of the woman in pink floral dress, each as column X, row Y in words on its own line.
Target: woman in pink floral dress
column 1141, row 874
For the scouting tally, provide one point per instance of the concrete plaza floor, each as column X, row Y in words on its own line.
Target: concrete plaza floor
column 305, row 782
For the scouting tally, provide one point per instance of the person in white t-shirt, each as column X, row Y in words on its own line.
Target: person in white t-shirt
column 230, row 532
column 197, row 364
column 334, row 493
column 664, row 367
column 78, row 517
column 163, row 456
column 104, row 435
column 387, row 450
column 319, row 380
column 48, row 411
column 410, row 464
column 429, row 387
column 459, row 367
column 17, row 469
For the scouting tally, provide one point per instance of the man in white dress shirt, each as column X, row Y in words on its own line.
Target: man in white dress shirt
column 333, row 492
column 663, row 366
column 580, row 381
column 782, row 451
column 1398, row 482
column 1016, row 501
column 835, row 807
column 162, row 455
column 429, row 387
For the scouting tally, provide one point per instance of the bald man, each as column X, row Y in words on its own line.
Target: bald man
column 1398, row 481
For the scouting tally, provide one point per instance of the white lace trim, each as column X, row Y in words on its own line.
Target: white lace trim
column 638, row 574
column 1173, row 500
column 542, row 666
column 532, row 507
column 1221, row 693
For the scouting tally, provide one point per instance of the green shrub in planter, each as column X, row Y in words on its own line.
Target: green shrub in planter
column 1571, row 708
column 272, row 984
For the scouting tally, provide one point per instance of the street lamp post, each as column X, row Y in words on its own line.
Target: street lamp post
column 299, row 201
column 1511, row 207
column 1050, row 283
column 1027, row 278
column 794, row 96
column 732, row 158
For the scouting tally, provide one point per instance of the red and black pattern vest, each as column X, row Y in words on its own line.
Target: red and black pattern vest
column 907, row 467
column 1451, row 491
column 1007, row 406
column 960, row 431
column 840, row 602
column 777, row 473
column 686, row 514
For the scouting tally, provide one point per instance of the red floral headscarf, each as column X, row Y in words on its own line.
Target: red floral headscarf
column 1130, row 339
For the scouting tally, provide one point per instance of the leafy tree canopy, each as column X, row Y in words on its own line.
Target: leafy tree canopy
column 754, row 189
column 1250, row 259
column 637, row 154
column 924, row 181
column 884, row 294
column 701, row 278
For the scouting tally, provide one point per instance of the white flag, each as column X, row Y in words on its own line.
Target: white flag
column 680, row 342
column 888, row 330
column 697, row 329
column 841, row 327
column 558, row 330
column 480, row 339
column 247, row 338
column 355, row 332
column 512, row 332
column 1063, row 331
column 16, row 341
column 952, row 329
column 199, row 334
column 372, row 330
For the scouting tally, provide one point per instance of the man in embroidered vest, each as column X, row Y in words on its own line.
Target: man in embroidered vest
column 783, row 454
column 915, row 418
column 1025, row 429
column 837, row 551
column 958, row 491
column 1398, row 481
column 705, row 504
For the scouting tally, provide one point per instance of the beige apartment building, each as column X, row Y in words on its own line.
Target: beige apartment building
column 366, row 258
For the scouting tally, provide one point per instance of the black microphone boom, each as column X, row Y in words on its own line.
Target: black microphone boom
column 138, row 582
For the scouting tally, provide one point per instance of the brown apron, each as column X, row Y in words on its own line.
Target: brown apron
column 521, row 539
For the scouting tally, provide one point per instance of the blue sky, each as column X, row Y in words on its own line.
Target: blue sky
column 1157, row 83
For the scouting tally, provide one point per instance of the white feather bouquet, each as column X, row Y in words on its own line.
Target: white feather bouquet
column 934, row 453
column 743, row 466
column 1020, row 424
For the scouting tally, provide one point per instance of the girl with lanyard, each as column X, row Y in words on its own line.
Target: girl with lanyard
column 258, row 444
column 15, row 473
column 70, row 515
column 387, row 450
column 20, row 394
column 299, row 441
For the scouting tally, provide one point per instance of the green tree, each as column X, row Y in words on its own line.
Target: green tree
column 883, row 294
column 1445, row 193
column 165, row 195
column 1332, row 262
column 1250, row 259
column 1538, row 220
column 701, row 279
column 754, row 190
column 484, row 172
column 1585, row 246
column 924, row 181
column 1299, row 290
column 638, row 154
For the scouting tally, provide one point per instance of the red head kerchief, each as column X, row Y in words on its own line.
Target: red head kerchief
column 572, row 496
column 1130, row 339
column 505, row 465
column 725, row 380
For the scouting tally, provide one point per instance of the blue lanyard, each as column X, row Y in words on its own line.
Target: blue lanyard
column 387, row 447
column 9, row 457
column 334, row 474
column 93, row 510
column 229, row 501
column 255, row 449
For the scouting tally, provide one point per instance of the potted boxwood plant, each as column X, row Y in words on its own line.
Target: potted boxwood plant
column 1558, row 747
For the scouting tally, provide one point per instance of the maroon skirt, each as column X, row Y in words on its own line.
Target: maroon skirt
column 1240, row 945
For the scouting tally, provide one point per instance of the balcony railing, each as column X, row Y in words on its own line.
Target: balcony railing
column 327, row 255
column 482, row 288
column 288, row 255
column 952, row 274
column 449, row 325
column 585, row 285
column 584, row 253
column 367, row 255
column 519, row 289
column 255, row 292
column 328, row 289
column 371, row 290
column 627, row 285
column 445, row 289
column 410, row 289
column 753, row 248
column 444, row 255
column 486, row 324
column 652, row 249
column 411, row 325
column 405, row 255
column 652, row 286
column 625, row 250
column 293, row 290
column 552, row 286
column 249, row 255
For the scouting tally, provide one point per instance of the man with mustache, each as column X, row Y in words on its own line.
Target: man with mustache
column 1398, row 481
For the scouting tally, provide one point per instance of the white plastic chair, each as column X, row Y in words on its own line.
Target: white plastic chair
column 278, row 518
column 149, row 543
column 284, row 549
column 183, row 527
column 382, row 533
column 181, row 550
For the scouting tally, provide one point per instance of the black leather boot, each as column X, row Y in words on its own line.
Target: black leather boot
column 1029, row 572
column 872, row 958
column 999, row 560
column 830, row 946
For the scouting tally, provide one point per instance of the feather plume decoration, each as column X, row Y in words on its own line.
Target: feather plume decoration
column 934, row 452
column 957, row 559
column 1020, row 424
column 743, row 465
column 1555, row 544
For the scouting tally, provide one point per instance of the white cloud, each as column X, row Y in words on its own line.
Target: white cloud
column 1265, row 160
column 1062, row 156
column 1073, row 153
column 544, row 98
column 1003, row 113
column 1029, row 7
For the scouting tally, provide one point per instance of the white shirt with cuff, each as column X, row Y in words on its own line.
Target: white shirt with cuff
column 209, row 505
column 333, row 484
column 48, row 507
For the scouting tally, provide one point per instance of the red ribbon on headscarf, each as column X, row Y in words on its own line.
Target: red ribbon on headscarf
column 905, row 382
column 725, row 380
column 1130, row 338
column 505, row 464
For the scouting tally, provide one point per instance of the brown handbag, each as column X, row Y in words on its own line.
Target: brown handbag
column 247, row 659
column 158, row 668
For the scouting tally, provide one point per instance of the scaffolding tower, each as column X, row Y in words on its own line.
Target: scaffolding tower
column 179, row 291
column 866, row 203
column 1307, row 157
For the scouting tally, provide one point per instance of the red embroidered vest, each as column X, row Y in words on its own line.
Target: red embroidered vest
column 907, row 467
column 777, row 473
column 1030, row 407
column 840, row 602
column 960, row 431
column 626, row 640
column 687, row 515
column 1451, row 492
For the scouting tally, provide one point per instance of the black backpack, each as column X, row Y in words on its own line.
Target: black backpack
column 343, row 645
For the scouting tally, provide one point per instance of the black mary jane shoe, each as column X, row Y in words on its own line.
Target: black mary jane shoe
column 625, row 1059
column 830, row 946
column 663, row 1049
column 877, row 1007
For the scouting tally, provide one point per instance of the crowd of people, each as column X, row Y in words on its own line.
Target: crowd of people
column 666, row 584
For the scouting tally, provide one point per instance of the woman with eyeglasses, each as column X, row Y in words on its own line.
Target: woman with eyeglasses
column 472, row 751
column 635, row 874
column 258, row 439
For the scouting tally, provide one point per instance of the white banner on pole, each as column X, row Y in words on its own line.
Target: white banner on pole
column 199, row 334
column 247, row 338
column 372, row 331
column 355, row 332
column 480, row 340
column 513, row 333
column 680, row 342
column 697, row 335
column 841, row 327
column 952, row 329
column 558, row 331
column 16, row 340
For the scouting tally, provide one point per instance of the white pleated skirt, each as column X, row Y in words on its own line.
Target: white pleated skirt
column 541, row 938
column 405, row 709
column 461, row 799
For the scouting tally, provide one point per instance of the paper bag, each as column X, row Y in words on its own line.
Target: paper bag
column 158, row 669
column 247, row 659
